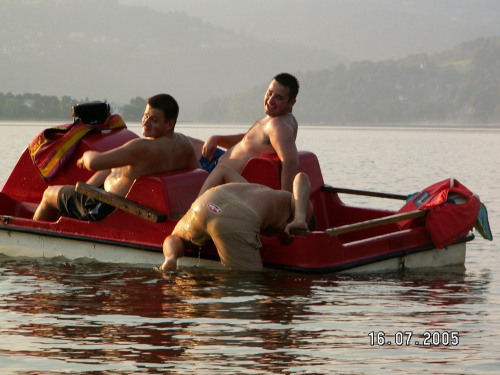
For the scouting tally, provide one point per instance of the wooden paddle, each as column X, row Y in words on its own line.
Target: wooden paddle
column 375, row 222
column 366, row 224
column 332, row 189
column 124, row 204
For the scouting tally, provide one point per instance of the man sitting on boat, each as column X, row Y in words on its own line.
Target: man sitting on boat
column 162, row 150
column 232, row 212
column 274, row 134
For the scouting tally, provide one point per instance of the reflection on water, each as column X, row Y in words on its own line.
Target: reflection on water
column 87, row 314
column 83, row 317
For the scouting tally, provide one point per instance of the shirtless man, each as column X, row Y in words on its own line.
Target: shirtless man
column 233, row 214
column 275, row 134
column 162, row 150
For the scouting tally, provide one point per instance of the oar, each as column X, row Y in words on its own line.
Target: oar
column 332, row 189
column 375, row 222
column 366, row 224
column 124, row 204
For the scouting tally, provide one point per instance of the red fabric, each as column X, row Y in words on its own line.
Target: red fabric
column 53, row 147
column 447, row 221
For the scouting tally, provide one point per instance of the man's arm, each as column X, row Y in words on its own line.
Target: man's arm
column 301, row 205
column 127, row 154
column 225, row 141
column 173, row 248
column 282, row 139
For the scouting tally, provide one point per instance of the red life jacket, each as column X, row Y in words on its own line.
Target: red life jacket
column 453, row 211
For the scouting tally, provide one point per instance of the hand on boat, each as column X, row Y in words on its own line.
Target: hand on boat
column 300, row 225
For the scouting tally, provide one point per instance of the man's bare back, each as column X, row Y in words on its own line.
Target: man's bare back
column 272, row 207
column 144, row 156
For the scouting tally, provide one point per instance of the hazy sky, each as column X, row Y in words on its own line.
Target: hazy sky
column 96, row 49
column 354, row 29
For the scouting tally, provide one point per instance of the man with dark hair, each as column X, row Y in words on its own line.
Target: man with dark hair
column 288, row 80
column 232, row 212
column 275, row 134
column 162, row 150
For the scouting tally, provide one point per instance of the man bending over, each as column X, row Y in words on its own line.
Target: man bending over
column 162, row 150
column 233, row 215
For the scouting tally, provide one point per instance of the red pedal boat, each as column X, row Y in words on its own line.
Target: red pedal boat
column 346, row 238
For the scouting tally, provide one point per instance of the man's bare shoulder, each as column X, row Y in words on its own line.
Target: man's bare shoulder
column 181, row 138
column 288, row 120
column 282, row 127
column 136, row 144
column 139, row 142
column 160, row 145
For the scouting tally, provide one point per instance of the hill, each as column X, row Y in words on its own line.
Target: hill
column 357, row 30
column 103, row 50
column 217, row 57
column 458, row 86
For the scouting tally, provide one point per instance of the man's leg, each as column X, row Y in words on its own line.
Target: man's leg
column 221, row 175
column 47, row 209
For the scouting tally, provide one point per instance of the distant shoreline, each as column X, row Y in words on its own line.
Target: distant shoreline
column 50, row 123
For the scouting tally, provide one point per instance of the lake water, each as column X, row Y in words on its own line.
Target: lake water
column 81, row 317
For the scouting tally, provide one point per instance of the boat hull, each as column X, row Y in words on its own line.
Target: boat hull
column 37, row 245
column 19, row 243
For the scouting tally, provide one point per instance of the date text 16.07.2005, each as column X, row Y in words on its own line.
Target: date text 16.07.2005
column 406, row 338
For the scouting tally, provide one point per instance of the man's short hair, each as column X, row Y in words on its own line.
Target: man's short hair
column 287, row 80
column 166, row 103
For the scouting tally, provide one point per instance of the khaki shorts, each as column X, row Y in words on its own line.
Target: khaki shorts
column 233, row 227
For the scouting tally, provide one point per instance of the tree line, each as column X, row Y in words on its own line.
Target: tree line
column 49, row 107
column 35, row 106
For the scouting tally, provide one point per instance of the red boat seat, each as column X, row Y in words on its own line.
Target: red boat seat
column 171, row 193
column 266, row 170
column 25, row 209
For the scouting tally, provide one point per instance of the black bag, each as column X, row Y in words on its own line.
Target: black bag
column 92, row 113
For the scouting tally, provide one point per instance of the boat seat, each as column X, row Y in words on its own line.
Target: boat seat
column 171, row 193
column 266, row 170
column 25, row 209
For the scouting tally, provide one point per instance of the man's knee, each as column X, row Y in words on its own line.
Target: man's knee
column 48, row 208
column 50, row 195
column 302, row 178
